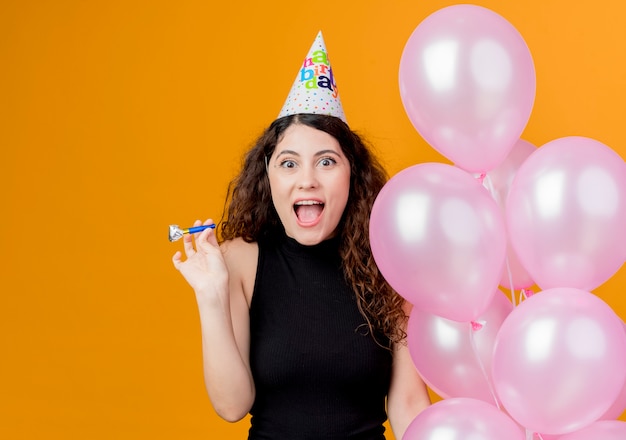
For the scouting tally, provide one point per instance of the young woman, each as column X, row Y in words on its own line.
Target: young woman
column 299, row 327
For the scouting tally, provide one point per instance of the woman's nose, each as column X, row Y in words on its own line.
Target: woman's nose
column 307, row 179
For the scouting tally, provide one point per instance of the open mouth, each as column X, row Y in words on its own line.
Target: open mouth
column 308, row 211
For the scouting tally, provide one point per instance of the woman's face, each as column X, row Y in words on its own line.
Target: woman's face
column 310, row 181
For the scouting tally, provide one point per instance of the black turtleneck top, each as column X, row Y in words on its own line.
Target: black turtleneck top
column 318, row 372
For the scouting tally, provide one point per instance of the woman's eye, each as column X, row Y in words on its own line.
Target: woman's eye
column 288, row 164
column 327, row 161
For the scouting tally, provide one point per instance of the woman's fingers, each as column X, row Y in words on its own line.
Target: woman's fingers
column 188, row 241
column 202, row 239
column 207, row 236
column 176, row 259
column 188, row 245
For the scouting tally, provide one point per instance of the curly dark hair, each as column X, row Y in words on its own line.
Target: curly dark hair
column 249, row 213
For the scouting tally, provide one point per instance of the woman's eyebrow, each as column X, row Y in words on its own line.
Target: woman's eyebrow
column 291, row 152
column 317, row 154
column 323, row 152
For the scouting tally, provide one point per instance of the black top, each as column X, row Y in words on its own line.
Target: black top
column 318, row 372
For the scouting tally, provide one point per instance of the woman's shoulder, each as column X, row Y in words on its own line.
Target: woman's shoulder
column 239, row 253
column 241, row 258
column 237, row 245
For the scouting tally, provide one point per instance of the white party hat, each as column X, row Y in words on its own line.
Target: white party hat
column 314, row 90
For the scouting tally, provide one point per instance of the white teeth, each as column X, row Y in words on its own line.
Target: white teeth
column 308, row 202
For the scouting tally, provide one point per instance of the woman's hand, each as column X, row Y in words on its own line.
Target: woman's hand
column 224, row 317
column 204, row 269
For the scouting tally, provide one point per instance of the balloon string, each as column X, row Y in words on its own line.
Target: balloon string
column 525, row 294
column 475, row 326
column 485, row 179
column 510, row 276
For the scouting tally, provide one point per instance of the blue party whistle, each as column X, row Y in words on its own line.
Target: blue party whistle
column 176, row 233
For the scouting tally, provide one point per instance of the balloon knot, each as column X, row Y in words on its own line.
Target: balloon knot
column 481, row 177
column 477, row 325
column 528, row 293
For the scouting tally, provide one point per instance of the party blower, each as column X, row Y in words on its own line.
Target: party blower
column 175, row 232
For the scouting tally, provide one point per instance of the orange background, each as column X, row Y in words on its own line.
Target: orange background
column 118, row 118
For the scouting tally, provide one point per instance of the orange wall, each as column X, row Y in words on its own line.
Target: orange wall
column 118, row 118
